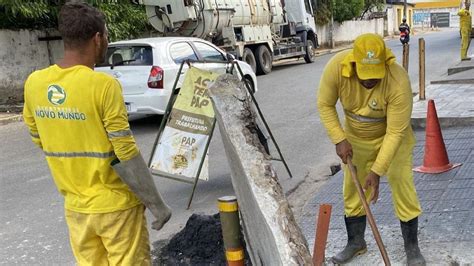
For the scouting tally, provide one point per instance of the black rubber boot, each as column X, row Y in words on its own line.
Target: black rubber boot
column 355, row 240
column 410, row 239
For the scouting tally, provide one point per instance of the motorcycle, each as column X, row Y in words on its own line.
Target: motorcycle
column 404, row 35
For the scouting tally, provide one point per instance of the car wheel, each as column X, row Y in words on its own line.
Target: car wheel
column 249, row 58
column 264, row 60
column 309, row 56
column 248, row 80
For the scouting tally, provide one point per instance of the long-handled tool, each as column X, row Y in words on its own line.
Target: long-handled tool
column 370, row 217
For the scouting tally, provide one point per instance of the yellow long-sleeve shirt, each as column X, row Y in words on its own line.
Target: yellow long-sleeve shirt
column 465, row 20
column 78, row 117
column 382, row 111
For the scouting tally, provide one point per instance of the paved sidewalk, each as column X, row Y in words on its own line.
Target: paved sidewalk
column 454, row 105
column 462, row 66
column 446, row 230
column 465, row 77
column 453, row 95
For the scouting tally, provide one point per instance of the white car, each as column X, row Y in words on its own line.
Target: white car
column 147, row 69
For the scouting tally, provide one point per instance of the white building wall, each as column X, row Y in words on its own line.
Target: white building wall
column 422, row 17
column 20, row 54
column 349, row 30
column 391, row 18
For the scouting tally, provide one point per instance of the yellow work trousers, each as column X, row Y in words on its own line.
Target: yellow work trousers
column 116, row 238
column 465, row 42
column 399, row 175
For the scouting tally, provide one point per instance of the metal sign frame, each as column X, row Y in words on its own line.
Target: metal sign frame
column 167, row 113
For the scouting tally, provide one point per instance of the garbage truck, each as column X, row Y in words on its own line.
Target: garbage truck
column 258, row 32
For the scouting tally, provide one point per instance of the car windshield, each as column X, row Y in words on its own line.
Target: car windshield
column 136, row 55
column 208, row 52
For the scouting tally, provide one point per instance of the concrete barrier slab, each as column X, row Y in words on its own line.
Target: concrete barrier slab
column 272, row 234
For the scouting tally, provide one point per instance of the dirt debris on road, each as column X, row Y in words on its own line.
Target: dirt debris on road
column 199, row 243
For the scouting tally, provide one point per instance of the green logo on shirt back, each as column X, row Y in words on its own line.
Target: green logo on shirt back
column 56, row 95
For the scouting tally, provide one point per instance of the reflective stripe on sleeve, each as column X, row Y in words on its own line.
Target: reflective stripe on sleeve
column 121, row 133
column 80, row 154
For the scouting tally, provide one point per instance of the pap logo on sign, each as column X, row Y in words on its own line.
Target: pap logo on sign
column 56, row 95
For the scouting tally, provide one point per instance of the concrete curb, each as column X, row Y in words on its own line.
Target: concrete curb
column 445, row 122
column 454, row 81
column 10, row 119
column 459, row 69
column 332, row 51
column 317, row 54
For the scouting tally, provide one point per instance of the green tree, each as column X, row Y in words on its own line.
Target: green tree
column 21, row 14
column 342, row 10
column 124, row 19
column 347, row 9
column 370, row 5
column 322, row 11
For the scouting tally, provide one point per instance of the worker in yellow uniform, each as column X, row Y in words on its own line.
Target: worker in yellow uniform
column 376, row 97
column 466, row 27
column 77, row 117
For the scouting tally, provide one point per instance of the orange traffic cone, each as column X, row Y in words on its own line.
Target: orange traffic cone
column 436, row 158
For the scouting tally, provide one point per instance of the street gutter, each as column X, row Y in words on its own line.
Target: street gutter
column 10, row 118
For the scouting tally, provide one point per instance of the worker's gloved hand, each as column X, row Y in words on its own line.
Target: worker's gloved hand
column 344, row 150
column 373, row 180
column 136, row 175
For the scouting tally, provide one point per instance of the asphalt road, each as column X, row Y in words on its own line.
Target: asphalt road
column 33, row 230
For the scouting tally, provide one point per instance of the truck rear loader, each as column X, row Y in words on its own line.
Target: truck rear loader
column 258, row 32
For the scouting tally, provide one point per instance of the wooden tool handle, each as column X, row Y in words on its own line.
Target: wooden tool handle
column 370, row 217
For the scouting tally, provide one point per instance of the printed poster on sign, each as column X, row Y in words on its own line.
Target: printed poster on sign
column 182, row 144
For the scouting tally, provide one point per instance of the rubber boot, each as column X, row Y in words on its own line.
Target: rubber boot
column 355, row 240
column 410, row 239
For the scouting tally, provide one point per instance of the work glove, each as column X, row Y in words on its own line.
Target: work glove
column 137, row 176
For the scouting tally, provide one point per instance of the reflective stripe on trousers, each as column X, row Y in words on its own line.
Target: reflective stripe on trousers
column 80, row 154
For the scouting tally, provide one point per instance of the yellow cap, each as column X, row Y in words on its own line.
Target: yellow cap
column 370, row 55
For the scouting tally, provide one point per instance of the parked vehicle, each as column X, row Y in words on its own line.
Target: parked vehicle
column 255, row 31
column 147, row 69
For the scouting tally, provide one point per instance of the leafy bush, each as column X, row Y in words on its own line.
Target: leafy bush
column 347, row 9
column 124, row 19
column 342, row 10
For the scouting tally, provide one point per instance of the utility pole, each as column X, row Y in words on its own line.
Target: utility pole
column 331, row 26
column 406, row 56
column 421, row 63
column 405, row 8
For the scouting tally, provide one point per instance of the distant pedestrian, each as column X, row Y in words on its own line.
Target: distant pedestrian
column 77, row 117
column 434, row 21
column 376, row 97
column 404, row 29
column 466, row 28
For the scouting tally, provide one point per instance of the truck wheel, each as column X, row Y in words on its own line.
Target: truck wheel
column 264, row 60
column 249, row 58
column 309, row 56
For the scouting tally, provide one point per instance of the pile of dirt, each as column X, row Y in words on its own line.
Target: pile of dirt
column 199, row 243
